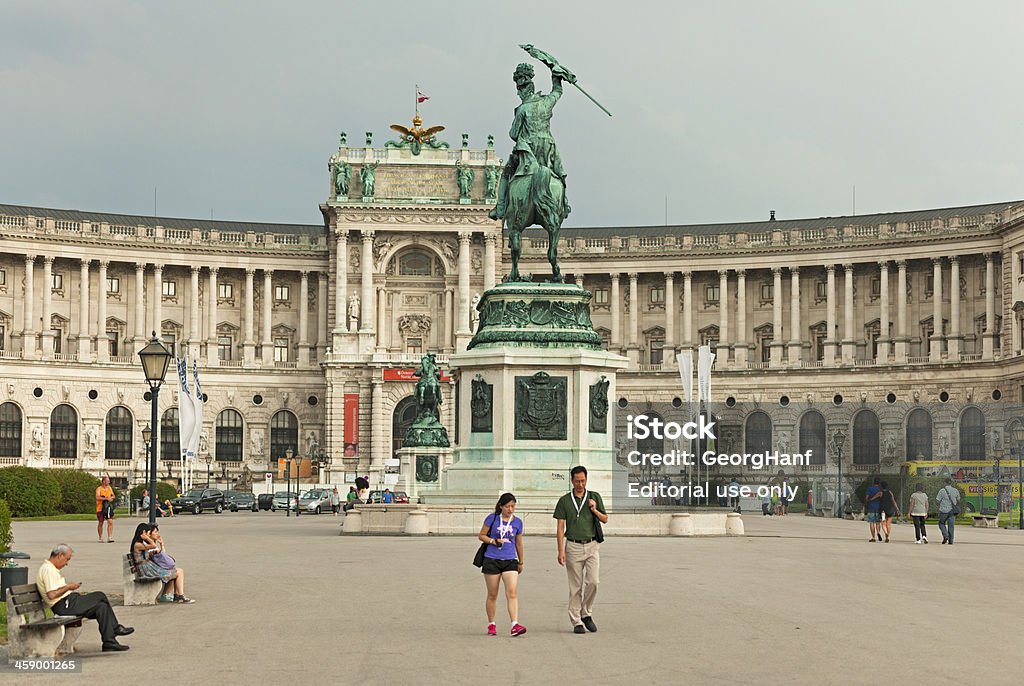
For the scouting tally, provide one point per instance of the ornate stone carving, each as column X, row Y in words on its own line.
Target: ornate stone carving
column 481, row 406
column 380, row 249
column 256, row 442
column 92, row 439
column 476, row 261
column 414, row 324
column 541, row 402
column 599, row 406
column 426, row 468
column 37, row 439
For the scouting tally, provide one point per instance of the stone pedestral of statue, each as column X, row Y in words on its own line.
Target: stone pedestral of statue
column 420, row 469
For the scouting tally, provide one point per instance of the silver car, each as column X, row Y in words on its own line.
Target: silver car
column 280, row 501
column 315, row 500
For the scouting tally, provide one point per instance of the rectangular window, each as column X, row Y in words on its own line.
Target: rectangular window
column 58, row 281
column 170, row 288
column 168, row 341
column 414, row 345
column 711, row 294
column 224, row 348
column 3, row 337
column 112, row 343
column 225, row 291
column 56, row 340
column 767, row 290
column 656, row 350
column 929, row 284
column 766, row 348
column 600, row 296
column 3, row 277
column 281, row 350
column 821, row 290
column 113, row 285
column 657, row 297
column 281, row 293
column 876, row 287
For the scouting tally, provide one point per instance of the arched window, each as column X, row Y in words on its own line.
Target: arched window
column 651, row 444
column 118, row 444
column 972, row 434
column 170, row 436
column 229, row 436
column 10, row 430
column 758, row 433
column 284, row 434
column 415, row 263
column 401, row 419
column 64, row 432
column 919, row 435
column 812, row 436
column 865, row 438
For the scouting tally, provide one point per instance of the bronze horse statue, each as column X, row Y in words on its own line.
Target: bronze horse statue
column 535, row 197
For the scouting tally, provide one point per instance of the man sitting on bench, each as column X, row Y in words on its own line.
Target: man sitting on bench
column 60, row 597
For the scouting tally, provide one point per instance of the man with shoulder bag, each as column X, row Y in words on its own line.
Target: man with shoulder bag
column 948, row 499
column 580, row 514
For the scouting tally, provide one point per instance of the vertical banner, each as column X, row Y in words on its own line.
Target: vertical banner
column 197, row 430
column 351, row 439
column 685, row 361
column 705, row 359
column 186, row 420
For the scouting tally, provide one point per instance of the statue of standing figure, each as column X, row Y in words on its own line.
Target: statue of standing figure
column 464, row 178
column 342, row 172
column 491, row 174
column 353, row 312
column 367, row 175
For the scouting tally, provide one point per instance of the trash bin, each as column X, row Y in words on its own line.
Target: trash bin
column 12, row 575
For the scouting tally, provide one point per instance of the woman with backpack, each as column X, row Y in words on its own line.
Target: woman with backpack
column 502, row 532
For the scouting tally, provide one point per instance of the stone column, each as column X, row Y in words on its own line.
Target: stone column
column 668, row 348
column 489, row 252
column 953, row 341
column 849, row 342
column 778, row 340
column 741, row 319
column 462, row 317
column 267, row 346
column 935, row 342
column 616, row 303
column 883, row 315
column 84, row 333
column 382, row 325
column 366, row 308
column 303, row 360
column 795, row 344
column 902, row 342
column 158, row 300
column 321, row 316
column 341, row 283
column 212, row 358
column 249, row 342
column 688, row 341
column 633, row 349
column 378, row 450
column 195, row 335
column 449, row 321
column 831, row 337
column 28, row 331
column 46, row 333
column 139, row 337
column 723, row 318
column 102, row 342
column 989, row 337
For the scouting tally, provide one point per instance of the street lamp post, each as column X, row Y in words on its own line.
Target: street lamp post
column 297, row 475
column 208, row 460
column 155, row 360
column 288, row 487
column 1018, row 438
column 838, row 438
column 147, row 436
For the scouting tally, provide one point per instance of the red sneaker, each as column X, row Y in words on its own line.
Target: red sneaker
column 518, row 629
column 492, row 630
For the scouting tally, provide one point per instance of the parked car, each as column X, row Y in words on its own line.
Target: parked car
column 199, row 499
column 280, row 501
column 265, row 501
column 401, row 497
column 375, row 497
column 315, row 500
column 239, row 500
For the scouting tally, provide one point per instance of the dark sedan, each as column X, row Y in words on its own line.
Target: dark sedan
column 199, row 499
column 239, row 500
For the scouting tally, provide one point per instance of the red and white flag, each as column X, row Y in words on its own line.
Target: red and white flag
column 420, row 97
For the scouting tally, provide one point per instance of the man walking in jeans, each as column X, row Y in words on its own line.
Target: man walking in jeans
column 576, row 513
column 948, row 500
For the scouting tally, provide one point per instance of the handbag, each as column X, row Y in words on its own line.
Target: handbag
column 598, row 531
column 954, row 505
column 163, row 560
column 478, row 559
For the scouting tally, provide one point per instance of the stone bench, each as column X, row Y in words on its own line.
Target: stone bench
column 138, row 591
column 30, row 633
column 986, row 520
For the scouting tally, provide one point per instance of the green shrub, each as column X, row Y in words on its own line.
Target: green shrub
column 164, row 491
column 29, row 492
column 903, row 486
column 6, row 537
column 77, row 490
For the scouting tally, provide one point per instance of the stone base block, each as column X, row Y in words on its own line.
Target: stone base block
column 138, row 592
column 681, row 524
column 353, row 523
column 734, row 524
column 416, row 523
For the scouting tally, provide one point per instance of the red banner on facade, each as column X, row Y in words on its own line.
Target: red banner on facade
column 391, row 374
column 351, row 446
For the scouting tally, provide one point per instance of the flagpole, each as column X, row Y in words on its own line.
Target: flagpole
column 416, row 99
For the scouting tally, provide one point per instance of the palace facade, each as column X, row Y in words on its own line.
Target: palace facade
column 903, row 329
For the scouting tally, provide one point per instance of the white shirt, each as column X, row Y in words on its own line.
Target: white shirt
column 49, row 579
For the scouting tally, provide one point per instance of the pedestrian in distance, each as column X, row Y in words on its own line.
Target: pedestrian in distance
column 580, row 512
column 105, row 509
column 502, row 531
column 919, row 512
column 63, row 599
column 335, row 501
column 873, row 509
column 766, row 506
column 948, row 501
column 388, row 497
column 889, row 509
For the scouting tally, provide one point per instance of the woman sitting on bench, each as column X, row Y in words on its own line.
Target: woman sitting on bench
column 153, row 562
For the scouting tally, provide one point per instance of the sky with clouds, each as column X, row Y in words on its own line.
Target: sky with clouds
column 723, row 109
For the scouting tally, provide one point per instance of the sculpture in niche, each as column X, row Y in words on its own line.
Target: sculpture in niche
column 353, row 312
column 312, row 442
column 37, row 438
column 380, row 249
column 92, row 436
column 256, row 439
column 482, row 406
column 204, row 442
column 474, row 312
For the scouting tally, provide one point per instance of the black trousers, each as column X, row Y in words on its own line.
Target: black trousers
column 919, row 527
column 91, row 606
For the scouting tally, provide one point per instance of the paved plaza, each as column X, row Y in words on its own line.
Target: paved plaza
column 799, row 600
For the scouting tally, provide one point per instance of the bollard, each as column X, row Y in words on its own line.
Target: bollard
column 734, row 524
column 416, row 523
column 353, row 523
column 681, row 524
